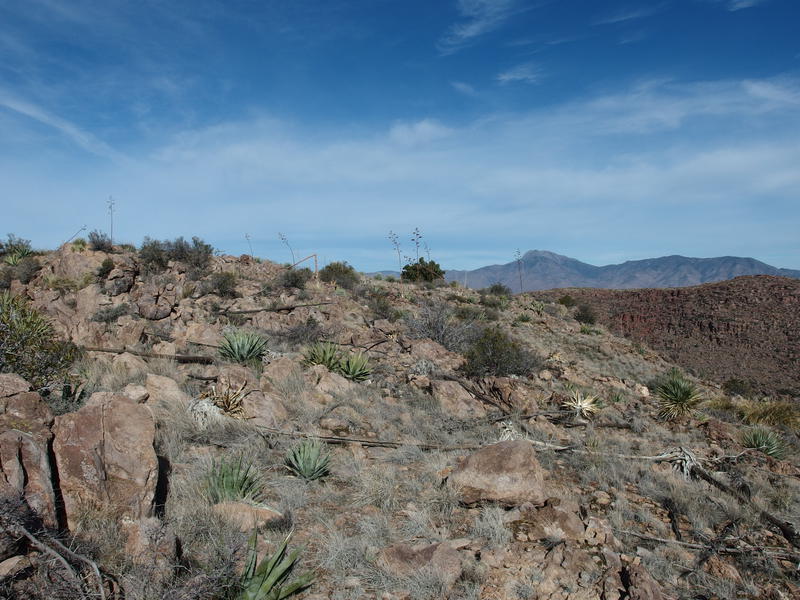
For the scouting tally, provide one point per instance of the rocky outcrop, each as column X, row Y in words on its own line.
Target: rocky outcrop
column 506, row 473
column 105, row 457
column 156, row 301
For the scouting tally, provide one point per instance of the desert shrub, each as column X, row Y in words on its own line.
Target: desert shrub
column 355, row 367
column 29, row 346
column 309, row 459
column 222, row 284
column 467, row 312
column 155, row 254
column 295, row 278
column 27, row 268
column 242, row 346
column 339, row 273
column 498, row 289
column 6, row 277
column 100, row 241
column 581, row 405
column 677, row 396
column 110, row 314
column 589, row 330
column 233, row 480
column 738, row 387
column 494, row 302
column 764, row 440
column 79, row 245
column 308, row 332
column 105, row 268
column 271, row 578
column 586, row 315
column 496, row 353
column 491, row 314
column 567, row 300
column 422, row 270
column 323, row 353
column 380, row 305
column 439, row 322
column 522, row 318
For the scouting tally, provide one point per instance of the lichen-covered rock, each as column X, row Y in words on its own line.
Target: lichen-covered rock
column 105, row 457
column 507, row 473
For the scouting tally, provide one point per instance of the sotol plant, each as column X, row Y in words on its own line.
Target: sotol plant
column 270, row 579
column 309, row 459
column 355, row 367
column 242, row 346
column 232, row 480
column 764, row 440
column 581, row 405
column 323, row 353
column 677, row 396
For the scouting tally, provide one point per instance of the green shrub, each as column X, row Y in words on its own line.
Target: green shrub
column 100, row 241
column 222, row 284
column 79, row 245
column 270, row 579
column 233, row 480
column 355, row 367
column 105, row 268
column 498, row 289
column 309, row 459
column 677, row 396
column 323, row 353
column 738, row 387
column 295, row 278
column 422, row 270
column 586, row 315
column 27, row 268
column 567, row 301
column 242, row 346
column 494, row 302
column 439, row 322
column 15, row 249
column 29, row 346
column 778, row 413
column 110, row 314
column 307, row 332
column 154, row 255
column 496, row 353
column 380, row 305
column 339, row 273
column 764, row 440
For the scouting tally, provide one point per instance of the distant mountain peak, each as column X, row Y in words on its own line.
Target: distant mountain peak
column 531, row 254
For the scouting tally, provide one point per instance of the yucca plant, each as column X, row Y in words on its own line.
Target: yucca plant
column 233, row 480
column 242, row 346
column 677, row 397
column 581, row 405
column 309, row 459
column 765, row 440
column 323, row 353
column 355, row 367
column 270, row 579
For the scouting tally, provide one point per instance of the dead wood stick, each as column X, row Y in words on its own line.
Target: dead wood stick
column 289, row 307
column 181, row 358
column 334, row 439
column 42, row 547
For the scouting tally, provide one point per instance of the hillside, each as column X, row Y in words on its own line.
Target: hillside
column 543, row 270
column 488, row 448
column 747, row 328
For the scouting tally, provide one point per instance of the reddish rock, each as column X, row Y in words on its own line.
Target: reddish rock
column 105, row 457
column 404, row 559
column 246, row 516
column 507, row 473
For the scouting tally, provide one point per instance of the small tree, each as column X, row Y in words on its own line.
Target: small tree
column 422, row 270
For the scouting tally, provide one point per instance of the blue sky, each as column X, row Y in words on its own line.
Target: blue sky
column 603, row 130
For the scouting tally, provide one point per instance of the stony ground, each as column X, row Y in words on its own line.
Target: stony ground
column 441, row 484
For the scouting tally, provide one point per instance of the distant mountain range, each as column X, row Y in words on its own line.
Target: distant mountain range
column 542, row 270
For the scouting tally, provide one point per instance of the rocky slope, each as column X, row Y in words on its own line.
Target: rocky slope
column 747, row 328
column 441, row 485
column 543, row 270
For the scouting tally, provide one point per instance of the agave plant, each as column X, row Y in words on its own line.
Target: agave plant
column 581, row 405
column 228, row 399
column 15, row 256
column 764, row 440
column 323, row 353
column 309, row 459
column 677, row 397
column 242, row 346
column 233, row 480
column 355, row 367
column 269, row 579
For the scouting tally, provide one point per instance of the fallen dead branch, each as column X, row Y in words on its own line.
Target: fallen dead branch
column 181, row 358
column 288, row 307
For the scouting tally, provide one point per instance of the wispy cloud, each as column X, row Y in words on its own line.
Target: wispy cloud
column 734, row 5
column 419, row 132
column 78, row 136
column 463, row 88
column 524, row 73
column 632, row 14
column 478, row 17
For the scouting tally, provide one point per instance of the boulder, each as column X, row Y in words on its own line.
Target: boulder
column 404, row 559
column 164, row 390
column 122, row 277
column 246, row 516
column 105, row 457
column 156, row 301
column 455, row 401
column 507, row 473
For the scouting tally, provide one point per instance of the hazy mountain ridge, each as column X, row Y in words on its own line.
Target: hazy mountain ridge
column 542, row 270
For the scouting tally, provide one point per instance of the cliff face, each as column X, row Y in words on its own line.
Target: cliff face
column 745, row 328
